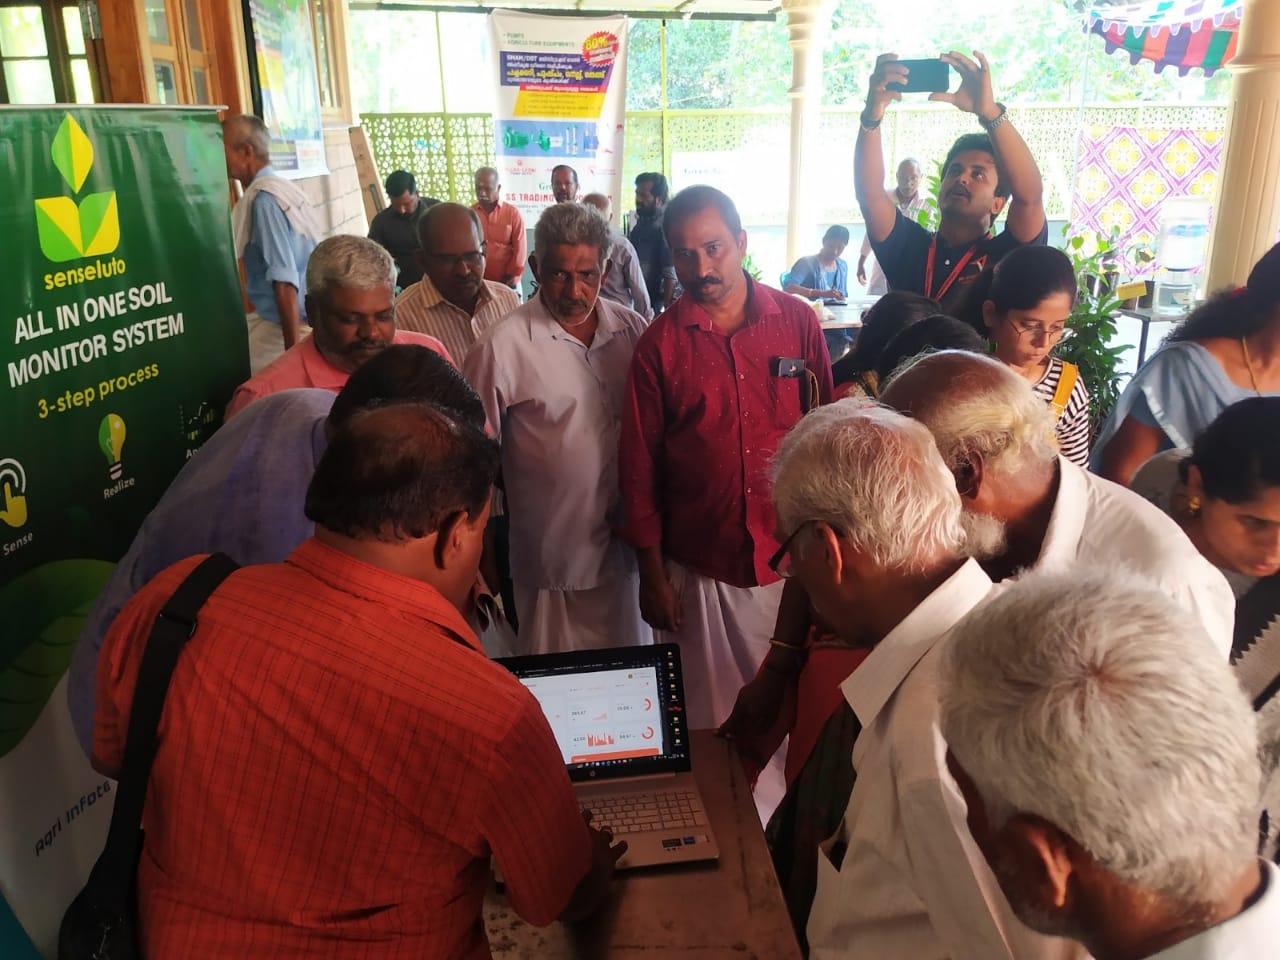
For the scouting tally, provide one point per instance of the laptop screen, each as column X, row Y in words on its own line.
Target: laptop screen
column 614, row 713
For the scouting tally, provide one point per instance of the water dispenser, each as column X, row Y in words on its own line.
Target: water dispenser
column 1180, row 253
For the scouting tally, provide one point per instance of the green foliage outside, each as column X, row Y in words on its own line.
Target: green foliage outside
column 1038, row 51
column 1037, row 48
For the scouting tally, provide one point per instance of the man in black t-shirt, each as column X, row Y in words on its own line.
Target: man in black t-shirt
column 982, row 172
column 395, row 227
column 650, row 242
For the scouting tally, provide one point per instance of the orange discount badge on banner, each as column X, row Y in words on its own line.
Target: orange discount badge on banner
column 600, row 49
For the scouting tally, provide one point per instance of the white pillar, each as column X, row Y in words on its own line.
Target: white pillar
column 807, row 24
column 1247, row 214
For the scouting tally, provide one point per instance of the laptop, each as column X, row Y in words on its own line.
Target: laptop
column 618, row 716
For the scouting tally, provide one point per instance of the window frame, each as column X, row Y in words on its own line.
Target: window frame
column 57, row 51
column 331, row 57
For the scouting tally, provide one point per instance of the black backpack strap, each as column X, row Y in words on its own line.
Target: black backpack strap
column 175, row 624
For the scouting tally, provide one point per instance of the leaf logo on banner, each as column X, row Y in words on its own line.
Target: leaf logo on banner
column 45, row 609
column 69, row 230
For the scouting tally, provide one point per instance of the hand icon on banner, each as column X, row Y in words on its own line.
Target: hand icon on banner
column 15, row 507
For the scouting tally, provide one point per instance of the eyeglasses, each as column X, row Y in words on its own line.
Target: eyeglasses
column 1035, row 330
column 780, row 562
column 473, row 258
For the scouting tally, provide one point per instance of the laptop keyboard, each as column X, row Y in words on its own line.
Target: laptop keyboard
column 627, row 813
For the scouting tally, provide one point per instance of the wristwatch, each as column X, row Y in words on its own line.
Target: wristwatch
column 867, row 124
column 1001, row 117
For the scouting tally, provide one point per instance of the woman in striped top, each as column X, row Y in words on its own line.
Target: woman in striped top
column 1029, row 298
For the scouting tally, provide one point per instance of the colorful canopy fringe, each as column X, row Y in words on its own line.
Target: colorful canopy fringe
column 1177, row 33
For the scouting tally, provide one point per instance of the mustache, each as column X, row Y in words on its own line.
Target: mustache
column 364, row 346
column 703, row 282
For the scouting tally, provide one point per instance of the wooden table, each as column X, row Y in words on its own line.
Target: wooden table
column 731, row 908
column 841, row 333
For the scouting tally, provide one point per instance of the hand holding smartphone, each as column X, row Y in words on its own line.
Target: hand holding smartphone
column 923, row 76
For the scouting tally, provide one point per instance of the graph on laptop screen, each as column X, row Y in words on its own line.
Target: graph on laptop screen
column 602, row 716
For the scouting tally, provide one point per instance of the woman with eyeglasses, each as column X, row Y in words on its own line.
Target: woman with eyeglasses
column 1025, row 308
column 1226, row 350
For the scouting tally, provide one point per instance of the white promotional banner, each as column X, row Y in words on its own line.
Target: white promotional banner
column 562, row 93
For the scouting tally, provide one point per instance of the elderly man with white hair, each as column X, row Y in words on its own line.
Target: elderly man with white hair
column 1026, row 507
column 871, row 525
column 1109, row 761
column 351, row 285
column 552, row 376
column 1045, row 512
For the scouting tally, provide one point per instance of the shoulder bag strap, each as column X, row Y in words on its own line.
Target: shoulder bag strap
column 175, row 624
column 1066, row 383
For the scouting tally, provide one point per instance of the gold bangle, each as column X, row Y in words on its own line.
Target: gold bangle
column 782, row 645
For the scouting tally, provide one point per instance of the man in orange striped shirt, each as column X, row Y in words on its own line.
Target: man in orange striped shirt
column 337, row 760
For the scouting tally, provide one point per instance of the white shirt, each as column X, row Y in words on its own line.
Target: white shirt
column 1253, row 934
column 422, row 309
column 625, row 282
column 912, row 883
column 556, row 406
column 1102, row 524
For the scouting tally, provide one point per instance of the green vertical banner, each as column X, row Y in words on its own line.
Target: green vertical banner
column 122, row 336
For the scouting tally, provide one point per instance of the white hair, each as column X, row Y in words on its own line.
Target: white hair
column 574, row 224
column 1087, row 699
column 975, row 404
column 875, row 476
column 349, row 262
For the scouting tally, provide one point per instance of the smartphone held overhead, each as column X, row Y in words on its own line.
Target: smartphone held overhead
column 923, row 76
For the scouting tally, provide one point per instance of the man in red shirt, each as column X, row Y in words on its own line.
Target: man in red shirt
column 716, row 382
column 504, row 236
column 337, row 759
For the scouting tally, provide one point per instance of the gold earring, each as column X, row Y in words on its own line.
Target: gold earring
column 1193, row 506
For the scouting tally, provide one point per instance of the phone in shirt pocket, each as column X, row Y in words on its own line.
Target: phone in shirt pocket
column 788, row 384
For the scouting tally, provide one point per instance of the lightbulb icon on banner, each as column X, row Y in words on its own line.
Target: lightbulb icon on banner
column 111, row 434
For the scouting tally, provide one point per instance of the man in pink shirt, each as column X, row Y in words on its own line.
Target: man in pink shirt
column 506, row 244
column 715, row 383
column 351, row 286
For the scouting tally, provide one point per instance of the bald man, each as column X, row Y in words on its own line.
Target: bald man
column 907, row 198
column 503, row 230
column 453, row 301
column 624, row 283
column 1033, row 507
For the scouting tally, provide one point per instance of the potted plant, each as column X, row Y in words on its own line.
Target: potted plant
column 1090, row 340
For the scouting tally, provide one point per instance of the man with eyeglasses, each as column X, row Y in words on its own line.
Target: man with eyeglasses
column 872, row 528
column 552, row 376
column 453, row 302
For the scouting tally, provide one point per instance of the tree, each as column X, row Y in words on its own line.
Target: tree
column 1038, row 50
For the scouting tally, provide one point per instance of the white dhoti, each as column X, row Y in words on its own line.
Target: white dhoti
column 724, row 635
column 552, row 621
column 491, row 627
column 266, row 342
